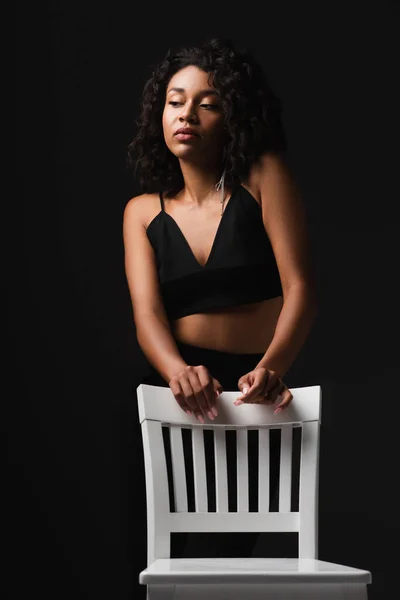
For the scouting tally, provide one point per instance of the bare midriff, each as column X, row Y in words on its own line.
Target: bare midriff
column 240, row 329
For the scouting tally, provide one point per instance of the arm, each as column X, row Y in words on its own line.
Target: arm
column 152, row 327
column 292, row 329
column 284, row 220
column 157, row 342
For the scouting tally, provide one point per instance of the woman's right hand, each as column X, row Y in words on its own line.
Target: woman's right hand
column 196, row 391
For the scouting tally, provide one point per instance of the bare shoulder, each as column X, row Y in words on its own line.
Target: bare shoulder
column 269, row 165
column 142, row 207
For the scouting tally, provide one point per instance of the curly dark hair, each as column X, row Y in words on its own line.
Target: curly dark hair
column 252, row 115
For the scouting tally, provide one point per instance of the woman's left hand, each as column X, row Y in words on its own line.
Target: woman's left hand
column 262, row 386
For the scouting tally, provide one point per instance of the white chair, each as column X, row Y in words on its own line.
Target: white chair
column 302, row 578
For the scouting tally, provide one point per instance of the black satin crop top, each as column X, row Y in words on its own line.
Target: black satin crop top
column 240, row 269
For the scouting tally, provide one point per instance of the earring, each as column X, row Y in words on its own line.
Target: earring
column 221, row 186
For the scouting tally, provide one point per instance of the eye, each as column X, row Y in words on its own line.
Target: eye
column 206, row 106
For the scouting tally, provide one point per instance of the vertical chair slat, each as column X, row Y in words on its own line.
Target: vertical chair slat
column 199, row 470
column 263, row 470
column 308, row 506
column 156, row 478
column 285, row 478
column 221, row 470
column 178, row 469
column 242, row 471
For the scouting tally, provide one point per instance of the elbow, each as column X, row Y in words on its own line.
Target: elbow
column 306, row 289
column 304, row 294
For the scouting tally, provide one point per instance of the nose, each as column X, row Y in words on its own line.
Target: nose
column 188, row 113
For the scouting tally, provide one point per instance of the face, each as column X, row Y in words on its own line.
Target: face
column 191, row 102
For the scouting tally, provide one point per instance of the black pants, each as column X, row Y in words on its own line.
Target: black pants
column 227, row 368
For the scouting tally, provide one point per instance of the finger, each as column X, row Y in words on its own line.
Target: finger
column 277, row 389
column 177, row 391
column 244, row 386
column 242, row 398
column 254, row 391
column 271, row 383
column 189, row 395
column 218, row 389
column 200, row 401
column 245, row 389
column 206, row 383
column 287, row 397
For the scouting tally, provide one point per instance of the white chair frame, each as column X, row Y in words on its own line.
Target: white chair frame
column 302, row 578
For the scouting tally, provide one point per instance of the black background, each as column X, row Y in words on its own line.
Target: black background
column 80, row 71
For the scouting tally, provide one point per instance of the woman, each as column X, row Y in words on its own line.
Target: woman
column 216, row 249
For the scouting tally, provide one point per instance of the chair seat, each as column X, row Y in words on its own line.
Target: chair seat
column 250, row 571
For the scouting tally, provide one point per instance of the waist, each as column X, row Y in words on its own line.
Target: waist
column 241, row 329
column 213, row 354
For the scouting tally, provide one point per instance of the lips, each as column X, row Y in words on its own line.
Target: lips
column 186, row 131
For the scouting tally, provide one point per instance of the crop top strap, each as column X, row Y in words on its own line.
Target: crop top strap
column 161, row 201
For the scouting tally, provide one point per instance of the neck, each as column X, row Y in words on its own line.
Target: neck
column 200, row 182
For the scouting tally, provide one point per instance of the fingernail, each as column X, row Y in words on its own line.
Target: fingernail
column 201, row 419
column 189, row 412
column 210, row 415
column 278, row 410
column 237, row 402
column 213, row 408
column 245, row 390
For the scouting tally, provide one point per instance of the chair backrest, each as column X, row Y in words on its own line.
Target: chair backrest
column 158, row 409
